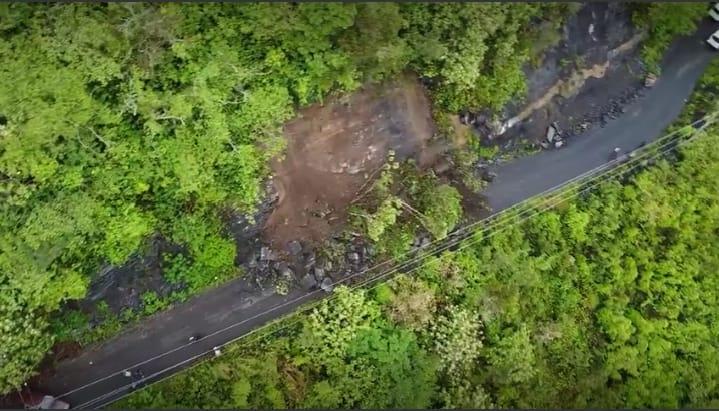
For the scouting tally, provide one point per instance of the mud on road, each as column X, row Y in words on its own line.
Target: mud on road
column 334, row 149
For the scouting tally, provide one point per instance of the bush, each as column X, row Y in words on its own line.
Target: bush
column 664, row 22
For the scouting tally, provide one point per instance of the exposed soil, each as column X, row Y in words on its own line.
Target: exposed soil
column 334, row 149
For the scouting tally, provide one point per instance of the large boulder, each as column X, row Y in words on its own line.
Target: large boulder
column 326, row 285
column 650, row 80
column 294, row 247
column 308, row 282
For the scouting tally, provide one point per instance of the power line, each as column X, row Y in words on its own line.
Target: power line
column 465, row 245
column 391, row 271
column 496, row 216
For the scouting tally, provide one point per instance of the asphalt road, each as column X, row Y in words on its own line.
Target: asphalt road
column 644, row 120
column 160, row 346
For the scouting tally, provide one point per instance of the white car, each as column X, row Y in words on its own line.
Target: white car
column 713, row 40
column 714, row 11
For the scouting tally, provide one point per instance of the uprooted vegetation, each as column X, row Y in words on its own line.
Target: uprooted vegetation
column 400, row 203
column 123, row 120
column 122, row 123
column 605, row 301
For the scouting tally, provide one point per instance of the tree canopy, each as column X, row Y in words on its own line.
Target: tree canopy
column 120, row 121
column 609, row 300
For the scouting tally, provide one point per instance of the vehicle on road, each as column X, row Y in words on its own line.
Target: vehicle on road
column 714, row 11
column 713, row 40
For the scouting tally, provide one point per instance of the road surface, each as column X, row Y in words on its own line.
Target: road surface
column 160, row 346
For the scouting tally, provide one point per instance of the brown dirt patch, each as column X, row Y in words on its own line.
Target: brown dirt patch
column 334, row 149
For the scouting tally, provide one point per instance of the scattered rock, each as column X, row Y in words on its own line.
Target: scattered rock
column 266, row 254
column 285, row 272
column 294, row 247
column 650, row 80
column 326, row 285
column 310, row 260
column 319, row 273
column 551, row 132
column 489, row 176
column 442, row 166
column 354, row 257
column 308, row 282
column 558, row 144
column 425, row 242
column 252, row 260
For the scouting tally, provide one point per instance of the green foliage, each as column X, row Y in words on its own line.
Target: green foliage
column 412, row 304
column 594, row 304
column 457, row 340
column 150, row 118
column 367, row 363
column 385, row 216
column 406, row 201
column 442, row 210
column 474, row 50
column 397, row 240
column 152, row 303
column 664, row 22
column 23, row 341
column 118, row 121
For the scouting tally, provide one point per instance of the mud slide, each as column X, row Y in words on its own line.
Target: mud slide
column 334, row 149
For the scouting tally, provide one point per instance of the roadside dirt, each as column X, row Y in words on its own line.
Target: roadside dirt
column 335, row 148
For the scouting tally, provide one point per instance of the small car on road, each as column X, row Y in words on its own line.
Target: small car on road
column 714, row 11
column 713, row 40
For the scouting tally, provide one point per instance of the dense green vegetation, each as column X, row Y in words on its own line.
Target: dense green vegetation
column 663, row 22
column 402, row 203
column 607, row 301
column 119, row 121
column 122, row 121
